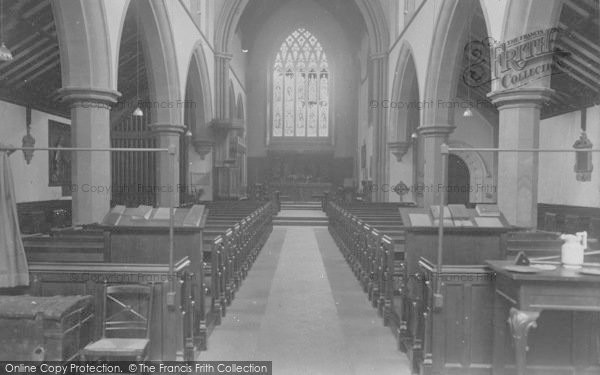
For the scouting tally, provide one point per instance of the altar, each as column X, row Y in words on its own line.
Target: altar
column 302, row 191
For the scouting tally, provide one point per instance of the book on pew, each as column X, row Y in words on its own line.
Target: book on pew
column 489, row 222
column 435, row 212
column 194, row 216
column 141, row 212
column 460, row 215
column 458, row 211
column 487, row 210
column 114, row 216
column 162, row 213
column 419, row 220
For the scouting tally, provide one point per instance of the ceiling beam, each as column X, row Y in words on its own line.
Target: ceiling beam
column 582, row 72
column 581, row 38
column 37, row 8
column 24, row 63
column 578, row 9
column 17, row 79
column 584, row 64
column 36, row 74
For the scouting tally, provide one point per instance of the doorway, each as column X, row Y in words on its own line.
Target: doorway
column 459, row 180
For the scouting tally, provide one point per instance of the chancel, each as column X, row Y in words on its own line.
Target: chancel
column 301, row 186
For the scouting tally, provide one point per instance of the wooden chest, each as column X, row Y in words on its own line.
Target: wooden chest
column 44, row 328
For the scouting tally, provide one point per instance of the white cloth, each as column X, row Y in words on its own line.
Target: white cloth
column 13, row 263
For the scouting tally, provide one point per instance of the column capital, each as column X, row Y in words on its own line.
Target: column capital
column 224, row 55
column 378, row 56
column 521, row 97
column 167, row 128
column 89, row 97
column 435, row 130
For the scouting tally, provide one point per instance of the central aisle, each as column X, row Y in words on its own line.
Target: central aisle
column 302, row 308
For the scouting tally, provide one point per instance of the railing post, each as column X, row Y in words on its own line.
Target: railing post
column 277, row 200
column 324, row 201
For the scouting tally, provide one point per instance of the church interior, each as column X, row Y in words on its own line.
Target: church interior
column 304, row 186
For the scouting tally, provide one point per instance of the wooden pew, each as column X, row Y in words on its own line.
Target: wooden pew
column 167, row 335
column 77, row 247
column 233, row 253
column 359, row 230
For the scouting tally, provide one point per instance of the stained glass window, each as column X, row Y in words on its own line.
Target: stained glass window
column 300, row 88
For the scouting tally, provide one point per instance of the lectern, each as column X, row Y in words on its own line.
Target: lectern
column 446, row 308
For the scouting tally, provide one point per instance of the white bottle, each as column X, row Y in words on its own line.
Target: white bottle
column 573, row 249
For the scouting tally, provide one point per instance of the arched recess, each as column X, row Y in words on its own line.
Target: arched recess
column 405, row 107
column 483, row 187
column 83, row 37
column 161, row 60
column 196, row 174
column 444, row 67
column 198, row 101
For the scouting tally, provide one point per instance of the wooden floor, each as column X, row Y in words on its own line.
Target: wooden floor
column 302, row 308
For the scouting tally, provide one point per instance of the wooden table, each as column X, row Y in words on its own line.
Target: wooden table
column 530, row 294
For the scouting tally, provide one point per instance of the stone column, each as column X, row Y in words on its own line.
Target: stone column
column 222, row 61
column 378, row 119
column 167, row 169
column 431, row 138
column 518, row 172
column 90, row 171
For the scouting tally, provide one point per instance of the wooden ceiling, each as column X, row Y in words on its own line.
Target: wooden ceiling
column 33, row 76
column 578, row 85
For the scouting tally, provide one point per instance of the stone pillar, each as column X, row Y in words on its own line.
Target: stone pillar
column 431, row 138
column 90, row 171
column 518, row 172
column 167, row 169
column 378, row 119
column 222, row 61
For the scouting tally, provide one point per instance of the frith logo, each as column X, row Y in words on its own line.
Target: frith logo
column 527, row 58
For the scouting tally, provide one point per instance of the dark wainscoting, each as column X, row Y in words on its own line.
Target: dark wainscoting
column 323, row 168
column 569, row 219
column 40, row 216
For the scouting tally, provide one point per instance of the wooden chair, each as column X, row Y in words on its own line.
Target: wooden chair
column 126, row 324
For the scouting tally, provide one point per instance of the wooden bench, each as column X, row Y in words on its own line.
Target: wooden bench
column 359, row 230
column 85, row 278
column 75, row 247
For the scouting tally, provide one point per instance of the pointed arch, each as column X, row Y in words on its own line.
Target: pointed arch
column 85, row 50
column 198, row 102
column 198, row 84
column 483, row 188
column 161, row 60
column 405, row 98
column 444, row 65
